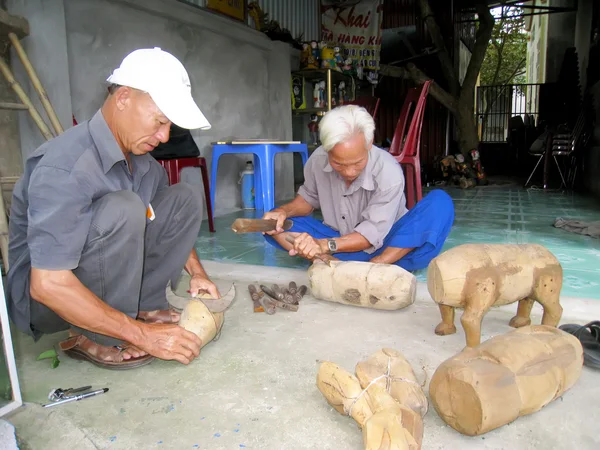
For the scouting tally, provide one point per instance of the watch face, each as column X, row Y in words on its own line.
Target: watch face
column 332, row 245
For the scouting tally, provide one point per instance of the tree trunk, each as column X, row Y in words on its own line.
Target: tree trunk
column 461, row 100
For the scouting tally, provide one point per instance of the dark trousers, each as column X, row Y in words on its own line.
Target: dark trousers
column 127, row 261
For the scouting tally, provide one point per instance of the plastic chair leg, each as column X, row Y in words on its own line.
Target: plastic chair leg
column 267, row 181
column 304, row 156
column 418, row 187
column 258, row 190
column 213, row 176
column 211, row 225
column 410, row 186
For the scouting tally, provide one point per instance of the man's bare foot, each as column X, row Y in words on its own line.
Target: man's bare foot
column 105, row 353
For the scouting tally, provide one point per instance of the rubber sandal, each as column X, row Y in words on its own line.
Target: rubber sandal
column 72, row 348
column 589, row 335
column 158, row 316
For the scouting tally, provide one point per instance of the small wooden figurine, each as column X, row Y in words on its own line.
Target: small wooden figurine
column 476, row 277
column 317, row 96
column 316, row 53
column 313, row 127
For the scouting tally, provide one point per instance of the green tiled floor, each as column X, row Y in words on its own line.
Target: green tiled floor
column 490, row 215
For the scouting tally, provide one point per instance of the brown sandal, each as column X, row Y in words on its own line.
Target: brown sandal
column 159, row 316
column 72, row 347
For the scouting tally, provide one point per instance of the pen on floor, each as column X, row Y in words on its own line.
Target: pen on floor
column 76, row 398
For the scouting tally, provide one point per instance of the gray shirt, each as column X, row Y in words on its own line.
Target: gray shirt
column 369, row 206
column 51, row 209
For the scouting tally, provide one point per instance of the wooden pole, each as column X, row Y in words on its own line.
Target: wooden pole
column 36, row 83
column 25, row 99
column 8, row 105
column 3, row 232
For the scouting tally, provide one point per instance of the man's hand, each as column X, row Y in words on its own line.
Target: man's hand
column 170, row 342
column 307, row 246
column 200, row 285
column 279, row 215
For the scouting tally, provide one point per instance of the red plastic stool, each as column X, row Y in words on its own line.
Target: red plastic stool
column 173, row 168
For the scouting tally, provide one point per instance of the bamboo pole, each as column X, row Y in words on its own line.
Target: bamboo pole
column 3, row 232
column 25, row 99
column 9, row 105
column 36, row 83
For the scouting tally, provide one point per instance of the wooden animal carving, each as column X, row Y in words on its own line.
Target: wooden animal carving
column 476, row 277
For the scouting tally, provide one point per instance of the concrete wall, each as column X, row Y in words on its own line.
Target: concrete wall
column 592, row 162
column 561, row 28
column 583, row 34
column 239, row 77
column 46, row 47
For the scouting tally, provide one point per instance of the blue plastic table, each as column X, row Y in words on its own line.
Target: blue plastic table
column 264, row 170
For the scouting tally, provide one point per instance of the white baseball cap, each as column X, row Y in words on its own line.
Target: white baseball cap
column 161, row 75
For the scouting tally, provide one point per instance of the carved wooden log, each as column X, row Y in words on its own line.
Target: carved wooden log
column 197, row 318
column 506, row 377
column 377, row 286
column 476, row 277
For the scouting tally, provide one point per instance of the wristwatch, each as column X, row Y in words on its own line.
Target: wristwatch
column 331, row 245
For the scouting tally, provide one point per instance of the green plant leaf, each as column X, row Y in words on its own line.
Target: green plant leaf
column 55, row 362
column 47, row 355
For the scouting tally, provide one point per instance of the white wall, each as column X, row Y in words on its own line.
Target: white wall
column 239, row 77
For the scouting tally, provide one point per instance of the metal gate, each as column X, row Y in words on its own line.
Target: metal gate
column 501, row 108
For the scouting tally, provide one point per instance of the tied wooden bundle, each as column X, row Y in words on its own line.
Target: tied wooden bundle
column 197, row 318
column 369, row 285
column 508, row 376
column 387, row 424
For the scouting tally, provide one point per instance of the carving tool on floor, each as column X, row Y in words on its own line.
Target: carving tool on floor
column 59, row 394
column 76, row 398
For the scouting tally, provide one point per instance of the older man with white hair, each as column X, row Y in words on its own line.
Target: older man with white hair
column 359, row 189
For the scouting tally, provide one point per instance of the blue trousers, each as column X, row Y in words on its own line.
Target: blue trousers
column 425, row 228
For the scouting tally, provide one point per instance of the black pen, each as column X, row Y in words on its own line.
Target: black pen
column 76, row 398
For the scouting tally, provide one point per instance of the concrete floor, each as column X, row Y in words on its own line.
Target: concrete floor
column 255, row 387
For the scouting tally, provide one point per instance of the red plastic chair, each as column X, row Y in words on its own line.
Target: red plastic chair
column 371, row 104
column 406, row 143
column 173, row 168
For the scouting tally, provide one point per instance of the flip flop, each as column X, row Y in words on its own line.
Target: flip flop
column 158, row 316
column 72, row 348
column 589, row 335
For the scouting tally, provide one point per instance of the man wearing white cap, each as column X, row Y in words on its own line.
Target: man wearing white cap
column 96, row 233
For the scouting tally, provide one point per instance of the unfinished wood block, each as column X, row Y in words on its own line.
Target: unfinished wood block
column 401, row 383
column 477, row 277
column 369, row 285
column 506, row 377
column 197, row 318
